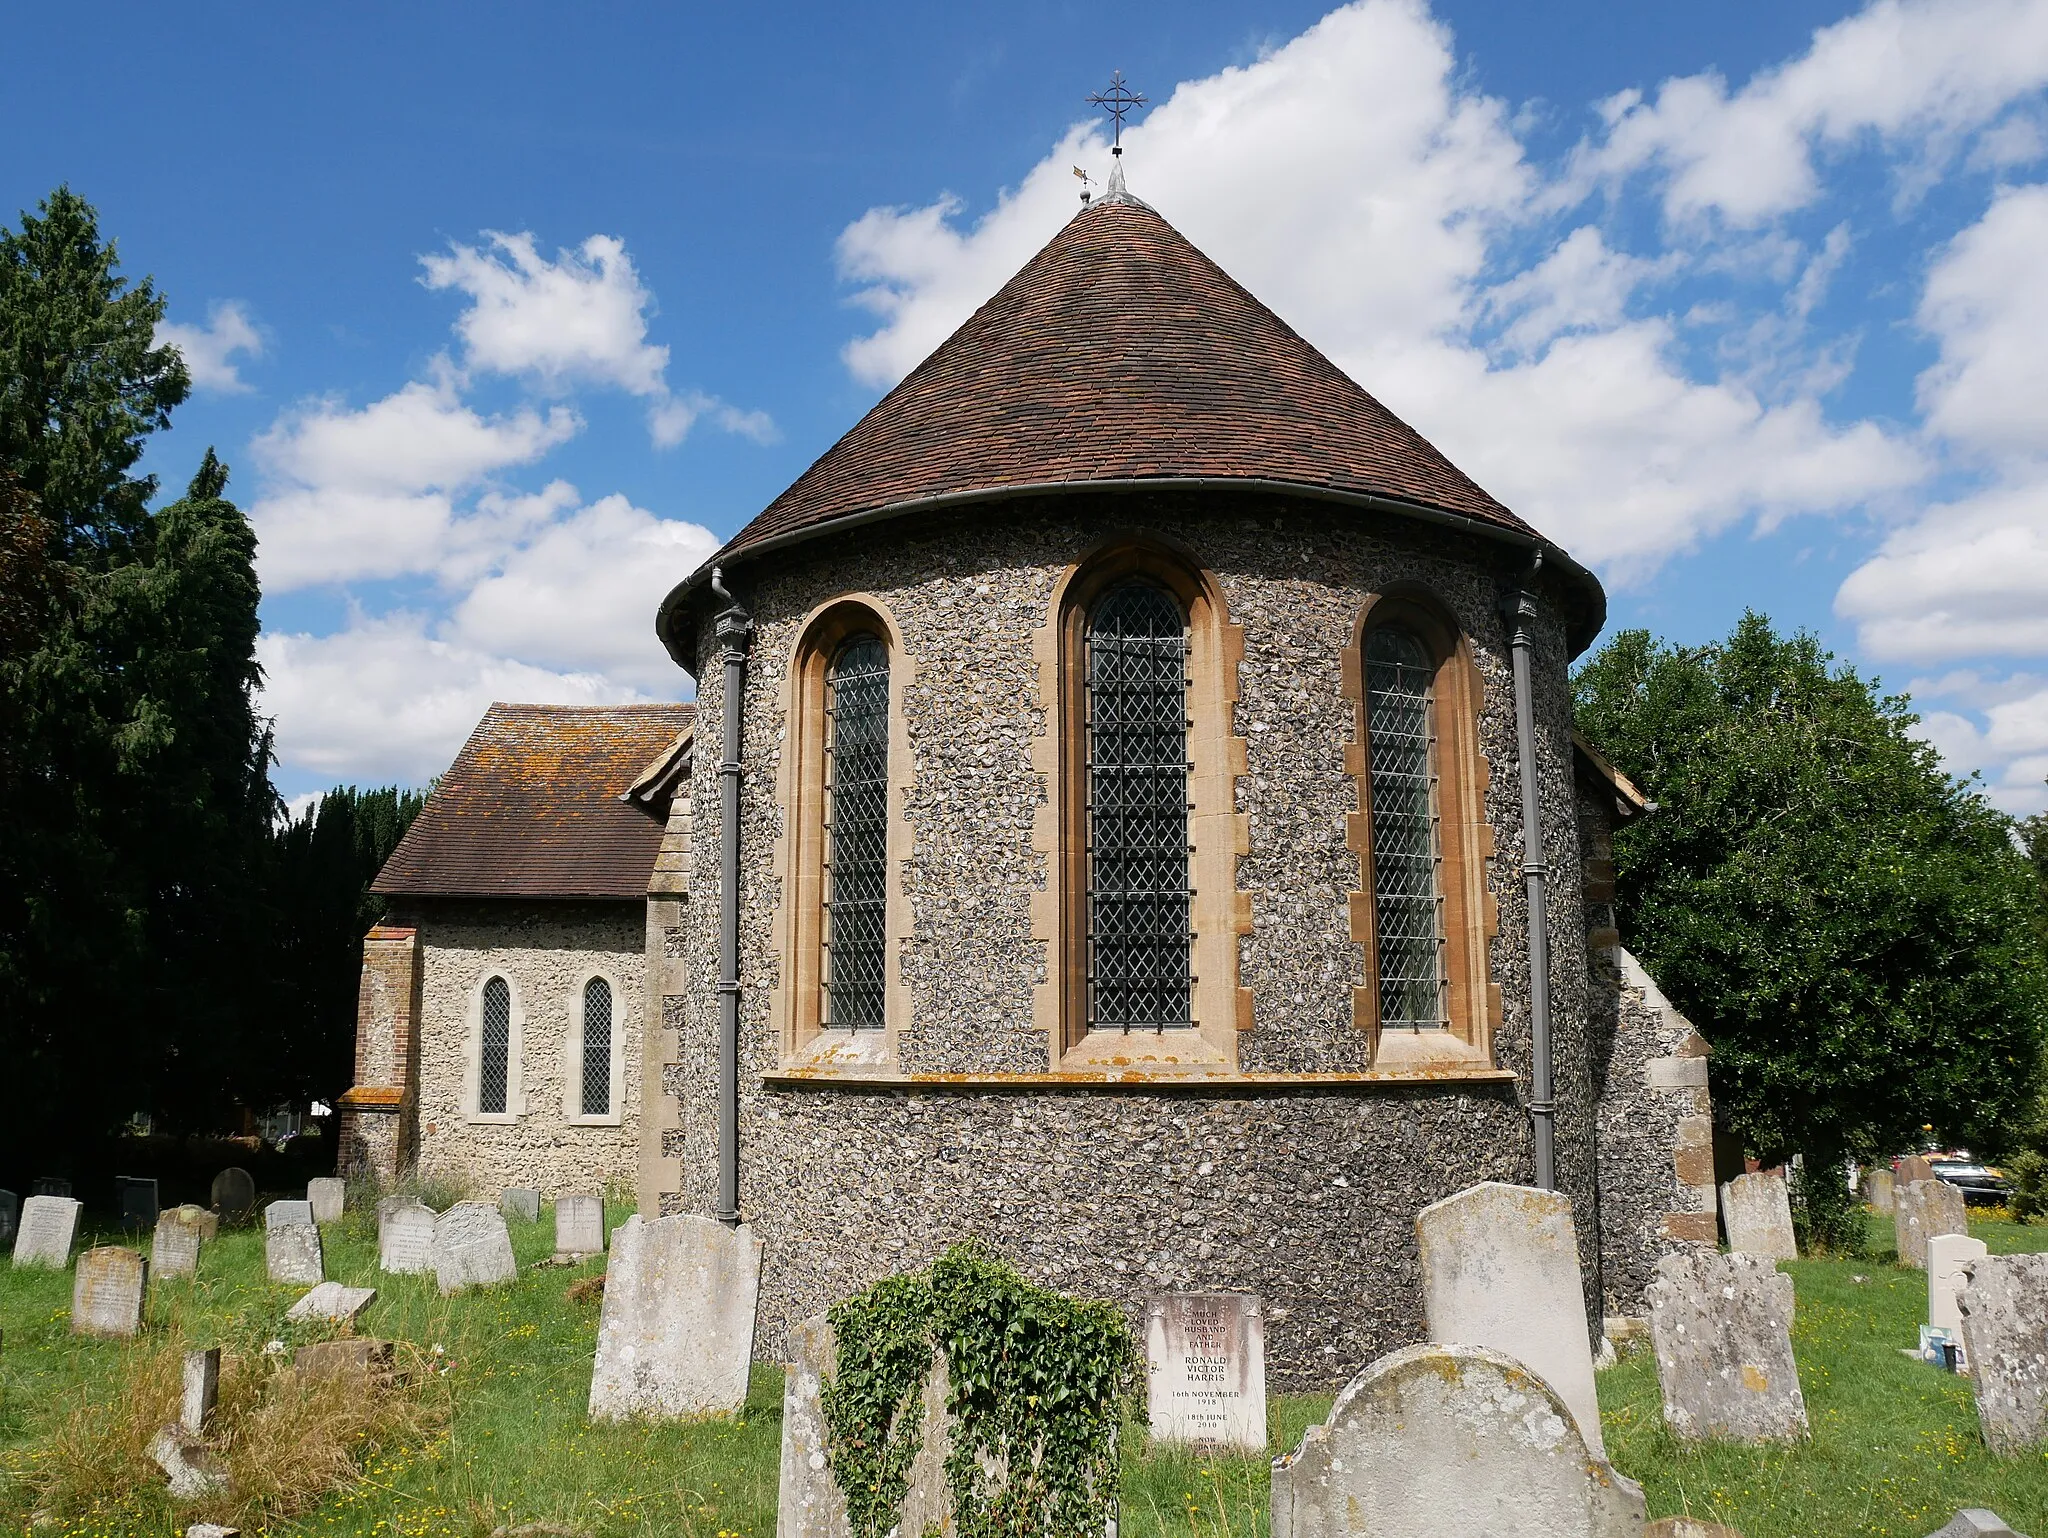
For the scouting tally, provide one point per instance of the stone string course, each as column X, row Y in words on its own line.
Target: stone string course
column 1305, row 1197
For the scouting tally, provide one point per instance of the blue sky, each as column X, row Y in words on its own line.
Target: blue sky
column 504, row 317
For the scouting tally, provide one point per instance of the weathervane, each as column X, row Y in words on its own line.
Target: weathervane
column 1116, row 101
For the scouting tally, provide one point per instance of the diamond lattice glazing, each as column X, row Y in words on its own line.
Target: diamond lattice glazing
column 857, row 804
column 1407, row 861
column 1139, row 932
column 494, row 1062
column 597, row 1047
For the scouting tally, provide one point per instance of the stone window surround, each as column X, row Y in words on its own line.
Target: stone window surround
column 1471, row 914
column 796, row 1002
column 473, row 1054
column 572, row 1053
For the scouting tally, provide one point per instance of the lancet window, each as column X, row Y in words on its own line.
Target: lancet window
column 494, row 1056
column 1407, row 844
column 597, row 1047
column 856, row 811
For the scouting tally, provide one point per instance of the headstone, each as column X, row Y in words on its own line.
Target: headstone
column 471, row 1248
column 202, row 1390
column 175, row 1250
column 291, row 1244
column 405, row 1239
column 1450, row 1441
column 1877, row 1189
column 809, row 1503
column 49, row 1185
column 188, row 1465
column 212, row 1530
column 1976, row 1522
column 326, row 1196
column 10, row 1215
column 1757, row 1213
column 2004, row 1305
column 521, row 1204
column 332, row 1302
column 579, row 1225
column 1922, row 1210
column 207, row 1222
column 1722, row 1327
column 107, row 1292
column 1947, row 1255
column 676, row 1335
column 1205, row 1361
column 1500, row 1268
column 361, row 1359
column 1670, row 1527
column 48, row 1225
column 1911, row 1169
column 234, row 1193
column 138, row 1203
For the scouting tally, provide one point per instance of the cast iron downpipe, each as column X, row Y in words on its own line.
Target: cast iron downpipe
column 1535, row 874
column 735, row 630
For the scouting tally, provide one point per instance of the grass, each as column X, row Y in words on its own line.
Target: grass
column 1895, row 1449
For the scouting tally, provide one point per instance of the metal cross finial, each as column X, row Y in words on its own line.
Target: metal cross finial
column 1116, row 101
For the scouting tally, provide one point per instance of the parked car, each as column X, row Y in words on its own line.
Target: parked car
column 1977, row 1182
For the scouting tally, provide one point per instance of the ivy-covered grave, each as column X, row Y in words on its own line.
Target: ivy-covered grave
column 965, row 1398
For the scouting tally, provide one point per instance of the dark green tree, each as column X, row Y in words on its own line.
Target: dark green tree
column 1850, row 928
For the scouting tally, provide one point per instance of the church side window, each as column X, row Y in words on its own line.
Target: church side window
column 1407, row 849
column 1139, row 930
column 856, row 812
column 597, row 1047
column 494, row 1059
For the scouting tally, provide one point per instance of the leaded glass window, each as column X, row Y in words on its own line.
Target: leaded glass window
column 597, row 1047
column 857, row 826
column 1139, row 929
column 1407, row 846
column 494, row 1061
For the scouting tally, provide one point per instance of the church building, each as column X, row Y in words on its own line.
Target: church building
column 1138, row 821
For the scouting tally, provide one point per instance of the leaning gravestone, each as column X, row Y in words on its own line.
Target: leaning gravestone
column 405, row 1239
column 519, row 1203
column 1205, row 1369
column 2005, row 1335
column 1757, row 1213
column 1922, row 1210
column 676, row 1334
column 291, row 1244
column 1500, row 1268
column 1722, row 1327
column 48, row 1225
column 1912, row 1169
column 10, row 1215
column 1947, row 1255
column 201, row 1391
column 331, row 1303
column 579, row 1225
column 138, row 1201
column 471, row 1248
column 1877, row 1189
column 234, row 1193
column 207, row 1222
column 1972, row 1522
column 1450, row 1441
column 175, row 1249
column 326, row 1196
column 107, row 1292
column 1663, row 1527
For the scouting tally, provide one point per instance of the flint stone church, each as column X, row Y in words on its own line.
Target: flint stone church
column 1100, row 828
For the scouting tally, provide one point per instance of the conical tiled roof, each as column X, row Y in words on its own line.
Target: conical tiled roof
column 1119, row 353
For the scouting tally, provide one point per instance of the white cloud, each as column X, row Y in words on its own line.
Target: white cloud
column 1965, row 579
column 1987, row 304
column 2010, row 749
column 1919, row 76
column 209, row 350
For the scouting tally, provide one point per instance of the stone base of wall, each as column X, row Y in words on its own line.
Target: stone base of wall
column 371, row 1143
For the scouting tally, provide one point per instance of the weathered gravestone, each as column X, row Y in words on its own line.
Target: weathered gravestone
column 1450, row 1441
column 234, row 1193
column 519, row 1203
column 579, row 1225
column 2005, row 1334
column 1757, row 1213
column 174, row 1251
column 1205, row 1369
column 1973, row 1522
column 49, row 1185
column 10, row 1215
column 201, row 1391
column 1922, row 1210
column 291, row 1244
column 405, row 1238
column 107, row 1292
column 326, row 1196
column 48, row 1225
column 809, row 1502
column 1722, row 1328
column 471, row 1248
column 1947, row 1255
column 208, row 1223
column 332, row 1302
column 676, row 1334
column 137, row 1198
column 1877, row 1189
column 188, row 1465
column 362, row 1360
column 1500, row 1268
column 1663, row 1527
column 1911, row 1169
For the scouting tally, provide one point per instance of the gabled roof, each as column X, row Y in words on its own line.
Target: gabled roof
column 1120, row 354
column 539, row 803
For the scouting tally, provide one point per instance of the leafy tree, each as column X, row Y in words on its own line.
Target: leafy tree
column 1852, row 930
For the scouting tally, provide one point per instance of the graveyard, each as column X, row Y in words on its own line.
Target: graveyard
column 494, row 1426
